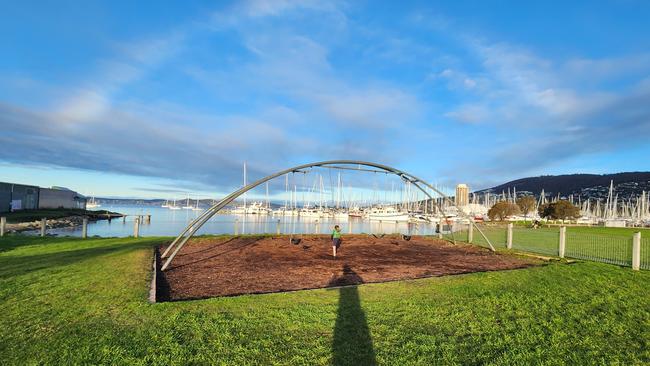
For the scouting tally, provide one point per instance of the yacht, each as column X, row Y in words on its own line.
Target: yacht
column 388, row 213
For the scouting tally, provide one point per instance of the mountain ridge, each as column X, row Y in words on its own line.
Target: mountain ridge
column 626, row 184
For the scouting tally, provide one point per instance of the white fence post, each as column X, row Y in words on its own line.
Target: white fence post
column 84, row 228
column 470, row 233
column 136, row 227
column 3, row 223
column 277, row 228
column 562, row 247
column 636, row 251
column 236, row 226
column 509, row 242
column 43, row 225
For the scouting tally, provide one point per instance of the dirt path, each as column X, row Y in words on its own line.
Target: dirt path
column 208, row 267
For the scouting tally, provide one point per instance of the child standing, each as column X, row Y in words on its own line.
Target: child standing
column 336, row 239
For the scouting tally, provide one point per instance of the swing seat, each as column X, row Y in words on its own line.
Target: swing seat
column 406, row 237
column 295, row 241
column 380, row 236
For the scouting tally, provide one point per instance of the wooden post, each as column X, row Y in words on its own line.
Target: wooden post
column 316, row 227
column 236, row 226
column 148, row 219
column 136, row 227
column 509, row 238
column 439, row 229
column 124, row 219
column 349, row 228
column 636, row 251
column 470, row 233
column 84, row 228
column 277, row 227
column 43, row 225
column 3, row 223
column 562, row 248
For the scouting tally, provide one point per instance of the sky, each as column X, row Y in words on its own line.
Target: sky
column 143, row 99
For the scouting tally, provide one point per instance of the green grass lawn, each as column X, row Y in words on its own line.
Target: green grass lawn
column 72, row 301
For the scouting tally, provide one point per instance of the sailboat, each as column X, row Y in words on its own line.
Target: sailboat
column 173, row 206
column 187, row 204
column 92, row 203
column 196, row 207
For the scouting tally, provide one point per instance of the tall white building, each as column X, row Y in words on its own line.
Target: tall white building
column 462, row 195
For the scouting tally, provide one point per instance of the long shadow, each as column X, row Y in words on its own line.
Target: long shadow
column 352, row 343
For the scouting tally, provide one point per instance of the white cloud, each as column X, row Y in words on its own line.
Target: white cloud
column 470, row 113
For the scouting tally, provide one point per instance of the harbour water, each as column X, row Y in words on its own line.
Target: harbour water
column 166, row 222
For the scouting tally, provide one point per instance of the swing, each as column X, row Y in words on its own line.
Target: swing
column 292, row 240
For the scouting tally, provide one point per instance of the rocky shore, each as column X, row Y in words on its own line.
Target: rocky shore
column 61, row 222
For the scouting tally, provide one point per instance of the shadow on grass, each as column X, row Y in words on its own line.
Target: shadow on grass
column 26, row 263
column 352, row 343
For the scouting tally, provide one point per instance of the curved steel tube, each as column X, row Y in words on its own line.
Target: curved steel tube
column 198, row 222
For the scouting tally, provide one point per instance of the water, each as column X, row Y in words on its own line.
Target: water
column 165, row 222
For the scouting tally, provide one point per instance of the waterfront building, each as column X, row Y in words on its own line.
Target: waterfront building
column 15, row 197
column 60, row 197
column 462, row 195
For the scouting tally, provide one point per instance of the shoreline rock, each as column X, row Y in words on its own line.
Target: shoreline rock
column 62, row 222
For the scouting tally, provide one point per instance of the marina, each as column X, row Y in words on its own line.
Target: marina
column 165, row 222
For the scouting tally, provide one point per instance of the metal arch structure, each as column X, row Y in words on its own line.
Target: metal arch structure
column 199, row 221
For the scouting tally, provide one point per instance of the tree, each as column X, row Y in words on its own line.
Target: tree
column 565, row 210
column 544, row 211
column 501, row 210
column 526, row 205
column 559, row 210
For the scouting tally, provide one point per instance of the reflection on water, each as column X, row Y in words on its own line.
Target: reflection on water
column 165, row 222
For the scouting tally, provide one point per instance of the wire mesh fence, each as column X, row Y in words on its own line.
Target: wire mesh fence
column 496, row 234
column 541, row 241
column 600, row 248
column 607, row 248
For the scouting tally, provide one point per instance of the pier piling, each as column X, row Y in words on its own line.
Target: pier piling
column 84, row 228
column 43, row 225
column 136, row 228
column 3, row 223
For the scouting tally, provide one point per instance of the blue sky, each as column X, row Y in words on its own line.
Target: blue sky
column 140, row 99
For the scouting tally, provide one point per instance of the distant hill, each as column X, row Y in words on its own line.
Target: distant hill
column 626, row 185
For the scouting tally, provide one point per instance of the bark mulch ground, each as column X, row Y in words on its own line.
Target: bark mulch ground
column 209, row 267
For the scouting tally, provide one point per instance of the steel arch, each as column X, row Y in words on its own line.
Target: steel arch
column 198, row 222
